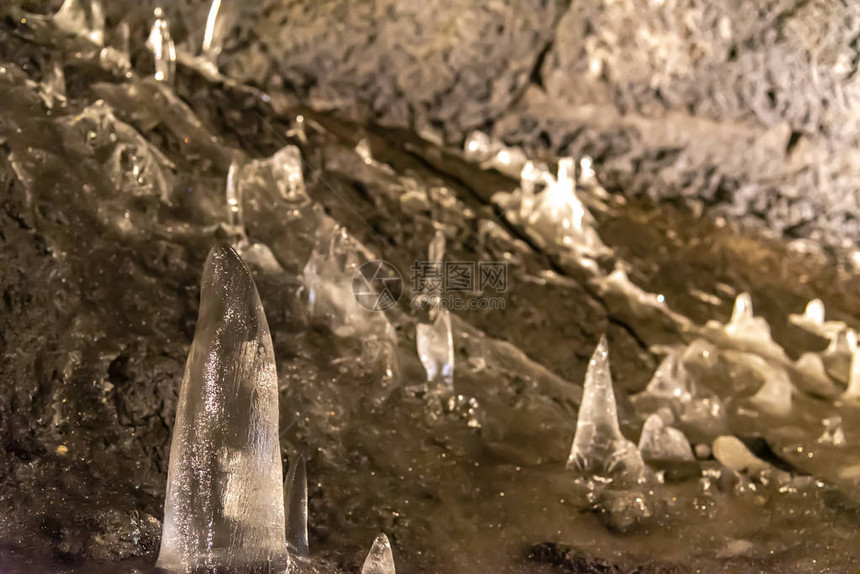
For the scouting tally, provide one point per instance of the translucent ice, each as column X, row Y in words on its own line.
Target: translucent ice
column 598, row 445
column 670, row 379
column 233, row 193
column 296, row 497
column 435, row 344
column 215, row 31
column 379, row 560
column 84, row 18
column 287, row 173
column 224, row 505
column 163, row 50
column 662, row 442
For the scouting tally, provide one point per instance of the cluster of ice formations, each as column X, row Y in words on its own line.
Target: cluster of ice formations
column 493, row 154
column 296, row 500
column 85, row 18
column 162, row 47
column 660, row 441
column 224, row 505
column 379, row 560
column 598, row 445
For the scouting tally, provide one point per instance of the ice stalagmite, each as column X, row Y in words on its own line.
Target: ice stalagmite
column 598, row 445
column 662, row 442
column 813, row 321
column 746, row 331
column 233, row 193
column 84, row 18
column 839, row 354
column 435, row 344
column 216, row 29
column 162, row 47
column 379, row 560
column 296, row 496
column 224, row 505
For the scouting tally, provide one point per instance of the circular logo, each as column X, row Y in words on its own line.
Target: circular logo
column 377, row 285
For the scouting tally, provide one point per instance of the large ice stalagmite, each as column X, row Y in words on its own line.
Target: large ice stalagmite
column 598, row 445
column 224, row 506
column 379, row 560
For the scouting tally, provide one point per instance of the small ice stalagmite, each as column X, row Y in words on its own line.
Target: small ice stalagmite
column 217, row 24
column 669, row 381
column 233, row 192
column 839, row 355
column 813, row 321
column 84, row 18
column 296, row 499
column 379, row 560
column 662, row 442
column 435, row 344
column 833, row 434
column 225, row 505
column 162, row 47
column 598, row 445
column 746, row 331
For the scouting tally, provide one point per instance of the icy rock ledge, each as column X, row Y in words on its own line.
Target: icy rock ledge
column 224, row 505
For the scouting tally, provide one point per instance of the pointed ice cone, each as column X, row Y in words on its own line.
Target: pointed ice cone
column 162, row 47
column 83, row 18
column 662, row 442
column 224, row 505
column 742, row 310
column 435, row 344
column 598, row 445
column 296, row 496
column 379, row 560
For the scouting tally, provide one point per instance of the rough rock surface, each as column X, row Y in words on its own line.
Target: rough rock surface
column 749, row 109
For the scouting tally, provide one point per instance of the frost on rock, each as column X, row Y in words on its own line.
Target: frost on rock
column 224, row 505
column 85, row 18
column 162, row 47
column 296, row 500
column 379, row 560
column 662, row 442
column 435, row 344
column 812, row 320
column 598, row 445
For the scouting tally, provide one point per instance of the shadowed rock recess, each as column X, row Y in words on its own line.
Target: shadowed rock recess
column 325, row 134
